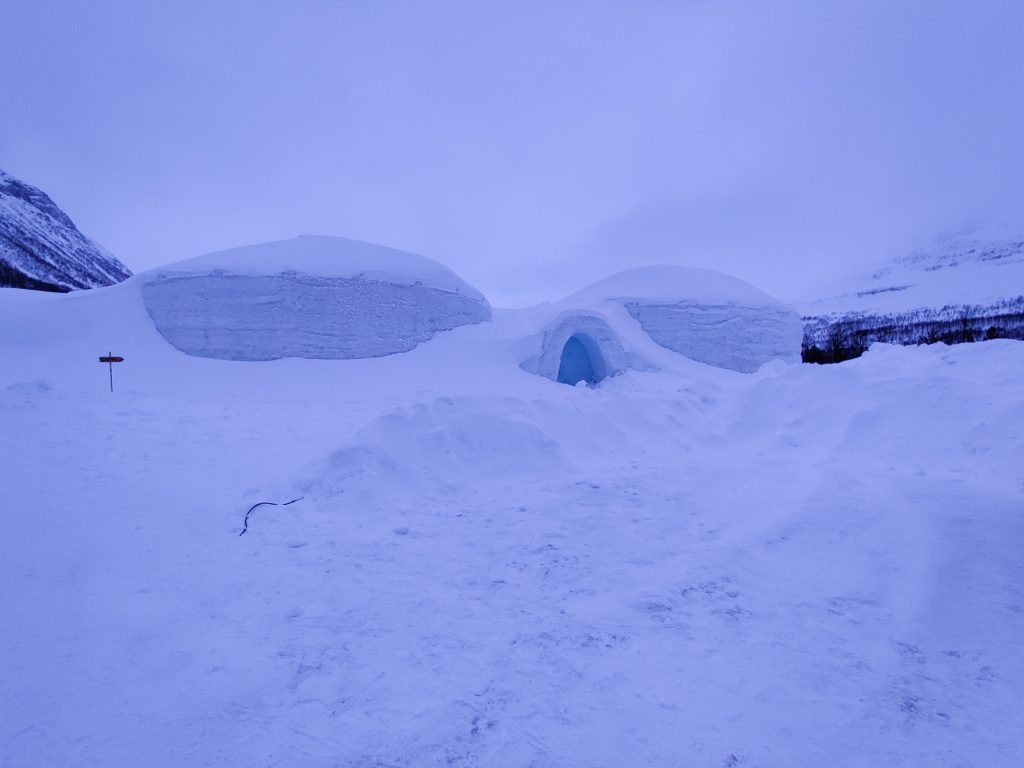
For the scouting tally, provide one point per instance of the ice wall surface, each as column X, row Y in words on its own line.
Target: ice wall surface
column 705, row 315
column 727, row 335
column 314, row 297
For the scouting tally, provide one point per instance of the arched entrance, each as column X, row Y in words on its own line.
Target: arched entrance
column 580, row 346
column 581, row 361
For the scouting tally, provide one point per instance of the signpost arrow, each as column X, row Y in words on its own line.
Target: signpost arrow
column 110, row 359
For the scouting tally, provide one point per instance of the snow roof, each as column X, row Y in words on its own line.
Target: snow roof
column 670, row 283
column 325, row 256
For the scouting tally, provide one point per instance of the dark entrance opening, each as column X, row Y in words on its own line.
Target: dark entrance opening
column 581, row 361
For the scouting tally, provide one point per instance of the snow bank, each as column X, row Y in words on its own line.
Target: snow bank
column 315, row 297
column 705, row 315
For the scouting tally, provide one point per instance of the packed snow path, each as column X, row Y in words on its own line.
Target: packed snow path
column 805, row 567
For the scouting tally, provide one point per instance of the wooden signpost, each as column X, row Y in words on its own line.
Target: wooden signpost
column 110, row 360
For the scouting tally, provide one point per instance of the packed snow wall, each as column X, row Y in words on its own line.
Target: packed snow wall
column 239, row 317
column 727, row 335
column 314, row 297
column 705, row 315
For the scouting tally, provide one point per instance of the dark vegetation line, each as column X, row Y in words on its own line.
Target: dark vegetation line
column 13, row 278
column 835, row 339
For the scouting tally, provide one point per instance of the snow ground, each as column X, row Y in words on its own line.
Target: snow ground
column 804, row 566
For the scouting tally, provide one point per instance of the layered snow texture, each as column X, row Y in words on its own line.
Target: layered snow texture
column 707, row 316
column 41, row 248
column 366, row 301
column 729, row 336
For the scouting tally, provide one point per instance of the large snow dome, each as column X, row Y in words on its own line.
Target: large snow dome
column 314, row 297
column 707, row 316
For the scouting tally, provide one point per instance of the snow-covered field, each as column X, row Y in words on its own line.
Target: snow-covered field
column 803, row 566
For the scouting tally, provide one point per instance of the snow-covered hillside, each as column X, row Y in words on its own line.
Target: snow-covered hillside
column 682, row 565
column 41, row 248
column 963, row 287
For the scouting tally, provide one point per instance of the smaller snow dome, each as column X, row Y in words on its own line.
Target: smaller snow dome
column 705, row 315
column 314, row 297
column 580, row 346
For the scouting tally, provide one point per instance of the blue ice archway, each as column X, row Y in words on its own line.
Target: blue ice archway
column 581, row 360
column 579, row 346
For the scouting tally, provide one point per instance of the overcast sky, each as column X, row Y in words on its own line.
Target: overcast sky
column 531, row 146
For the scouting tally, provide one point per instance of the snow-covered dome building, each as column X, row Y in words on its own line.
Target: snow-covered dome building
column 314, row 297
column 704, row 315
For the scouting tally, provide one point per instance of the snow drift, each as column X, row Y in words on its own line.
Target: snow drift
column 314, row 297
column 445, row 446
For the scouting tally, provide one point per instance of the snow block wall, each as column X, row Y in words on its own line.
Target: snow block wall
column 705, row 315
column 729, row 336
column 241, row 314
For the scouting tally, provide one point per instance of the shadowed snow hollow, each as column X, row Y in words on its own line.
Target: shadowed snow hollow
column 314, row 297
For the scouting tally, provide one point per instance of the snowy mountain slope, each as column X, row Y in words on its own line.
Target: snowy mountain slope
column 41, row 248
column 955, row 270
column 317, row 297
column 961, row 288
column 803, row 566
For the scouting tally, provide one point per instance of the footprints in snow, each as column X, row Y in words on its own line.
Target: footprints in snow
column 715, row 596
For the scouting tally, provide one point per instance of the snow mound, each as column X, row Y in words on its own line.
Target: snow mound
column 705, row 315
column 442, row 446
column 671, row 283
column 34, row 387
column 314, row 297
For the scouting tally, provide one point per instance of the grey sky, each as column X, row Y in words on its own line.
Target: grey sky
column 531, row 146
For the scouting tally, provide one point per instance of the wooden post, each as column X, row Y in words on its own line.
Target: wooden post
column 110, row 359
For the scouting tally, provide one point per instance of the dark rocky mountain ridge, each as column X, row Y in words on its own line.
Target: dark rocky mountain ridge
column 42, row 249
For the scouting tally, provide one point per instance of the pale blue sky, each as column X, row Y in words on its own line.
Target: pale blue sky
column 532, row 146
